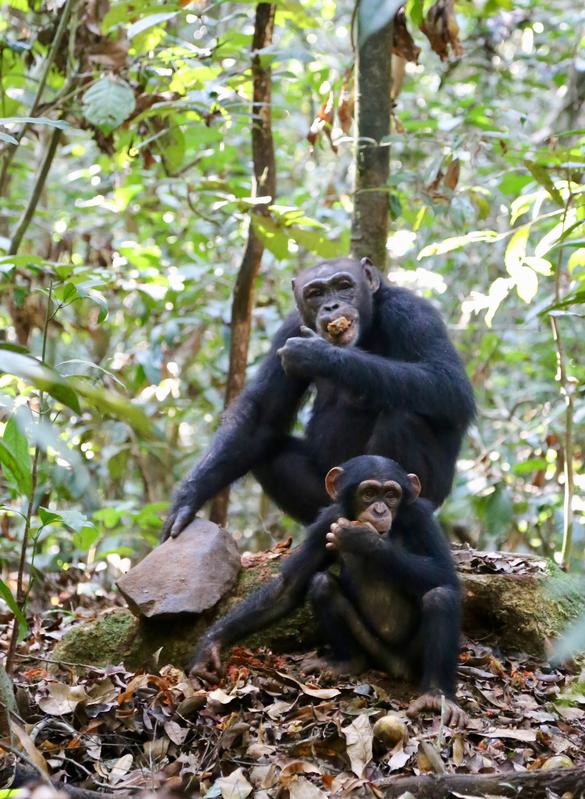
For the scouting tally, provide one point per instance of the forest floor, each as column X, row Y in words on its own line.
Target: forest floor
column 266, row 730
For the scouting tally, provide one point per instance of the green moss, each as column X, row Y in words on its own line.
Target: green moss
column 105, row 640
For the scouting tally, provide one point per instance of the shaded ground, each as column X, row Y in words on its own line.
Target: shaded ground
column 266, row 730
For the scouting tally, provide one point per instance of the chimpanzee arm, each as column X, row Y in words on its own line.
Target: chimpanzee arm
column 279, row 596
column 423, row 562
column 424, row 373
column 263, row 412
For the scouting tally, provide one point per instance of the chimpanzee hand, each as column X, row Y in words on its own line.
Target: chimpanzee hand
column 206, row 662
column 343, row 532
column 303, row 356
column 179, row 517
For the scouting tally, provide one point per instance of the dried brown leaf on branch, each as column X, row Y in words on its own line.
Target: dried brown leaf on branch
column 323, row 123
column 402, row 41
column 451, row 178
column 345, row 108
column 441, row 29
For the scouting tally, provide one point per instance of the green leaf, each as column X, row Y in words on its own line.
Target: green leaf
column 108, row 103
column 455, row 242
column 11, row 466
column 52, row 123
column 373, row 15
column 41, row 377
column 541, row 175
column 148, row 22
column 7, row 596
column 16, row 443
column 48, row 517
column 573, row 640
column 273, row 237
column 172, row 147
column 113, row 404
column 6, row 137
column 516, row 250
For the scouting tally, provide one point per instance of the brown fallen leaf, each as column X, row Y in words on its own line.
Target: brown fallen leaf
column 359, row 738
column 29, row 747
column 318, row 693
column 517, row 735
column 62, row 699
column 235, row 786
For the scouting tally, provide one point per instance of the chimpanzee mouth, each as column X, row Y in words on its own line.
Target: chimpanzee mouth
column 342, row 331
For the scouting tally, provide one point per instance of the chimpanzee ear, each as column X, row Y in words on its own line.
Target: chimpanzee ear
column 330, row 479
column 372, row 274
column 415, row 484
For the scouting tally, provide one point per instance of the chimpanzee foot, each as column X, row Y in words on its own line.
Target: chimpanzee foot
column 454, row 715
column 331, row 669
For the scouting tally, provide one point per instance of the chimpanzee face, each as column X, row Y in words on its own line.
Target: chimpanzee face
column 377, row 503
column 372, row 490
column 335, row 298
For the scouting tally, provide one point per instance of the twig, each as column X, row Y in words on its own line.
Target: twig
column 566, row 392
column 20, row 593
column 25, row 759
column 28, row 214
column 54, row 49
column 264, row 185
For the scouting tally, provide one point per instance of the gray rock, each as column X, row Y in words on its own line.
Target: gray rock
column 188, row 574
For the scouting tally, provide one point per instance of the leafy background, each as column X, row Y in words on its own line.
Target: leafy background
column 121, row 281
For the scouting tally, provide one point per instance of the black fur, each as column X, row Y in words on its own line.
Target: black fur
column 402, row 392
column 396, row 602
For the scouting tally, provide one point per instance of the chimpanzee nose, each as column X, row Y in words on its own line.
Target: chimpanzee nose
column 331, row 306
column 379, row 509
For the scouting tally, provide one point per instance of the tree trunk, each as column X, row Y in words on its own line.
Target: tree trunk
column 369, row 228
column 264, row 185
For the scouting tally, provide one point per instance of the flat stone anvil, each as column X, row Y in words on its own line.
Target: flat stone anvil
column 187, row 574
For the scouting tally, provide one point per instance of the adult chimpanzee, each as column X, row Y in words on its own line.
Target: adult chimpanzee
column 388, row 380
column 396, row 602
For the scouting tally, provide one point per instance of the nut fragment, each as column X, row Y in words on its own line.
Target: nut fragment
column 339, row 325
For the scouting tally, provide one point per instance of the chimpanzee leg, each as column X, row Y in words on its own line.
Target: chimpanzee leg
column 293, row 481
column 439, row 638
column 344, row 630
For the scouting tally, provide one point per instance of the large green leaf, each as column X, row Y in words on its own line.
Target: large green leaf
column 108, row 103
column 40, row 376
column 19, row 463
column 7, row 596
column 113, row 404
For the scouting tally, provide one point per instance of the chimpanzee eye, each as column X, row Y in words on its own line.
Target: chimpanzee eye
column 313, row 294
column 369, row 496
column 345, row 284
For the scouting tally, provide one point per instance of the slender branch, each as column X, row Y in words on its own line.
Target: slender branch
column 567, row 393
column 22, row 563
column 264, row 185
column 54, row 49
column 30, row 209
column 20, row 592
column 535, row 784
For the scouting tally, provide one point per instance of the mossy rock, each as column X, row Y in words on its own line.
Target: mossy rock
column 117, row 636
column 514, row 611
